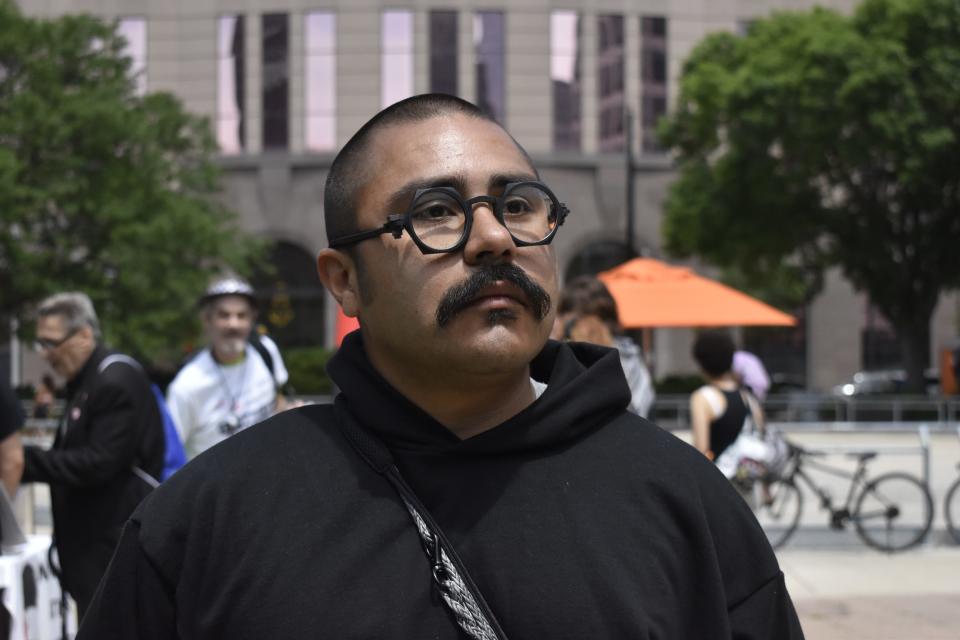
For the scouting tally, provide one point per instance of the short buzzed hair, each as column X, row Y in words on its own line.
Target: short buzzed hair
column 74, row 307
column 346, row 176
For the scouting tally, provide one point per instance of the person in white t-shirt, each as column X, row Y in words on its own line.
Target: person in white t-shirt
column 233, row 383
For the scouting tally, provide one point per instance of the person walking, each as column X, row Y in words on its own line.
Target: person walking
column 235, row 381
column 108, row 451
column 749, row 371
column 718, row 409
column 472, row 479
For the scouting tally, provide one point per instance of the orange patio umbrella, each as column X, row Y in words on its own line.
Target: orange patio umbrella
column 651, row 293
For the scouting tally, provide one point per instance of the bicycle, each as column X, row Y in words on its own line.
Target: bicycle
column 951, row 506
column 892, row 512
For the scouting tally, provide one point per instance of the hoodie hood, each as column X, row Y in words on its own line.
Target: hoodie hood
column 585, row 388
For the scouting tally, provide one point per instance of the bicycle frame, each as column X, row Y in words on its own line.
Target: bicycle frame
column 839, row 516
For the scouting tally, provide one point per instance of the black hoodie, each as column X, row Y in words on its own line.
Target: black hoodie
column 575, row 518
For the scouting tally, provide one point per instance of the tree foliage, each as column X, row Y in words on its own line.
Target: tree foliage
column 821, row 140
column 102, row 190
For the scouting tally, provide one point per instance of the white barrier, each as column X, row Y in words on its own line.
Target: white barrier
column 31, row 593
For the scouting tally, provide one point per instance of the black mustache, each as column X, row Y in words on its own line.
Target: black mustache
column 459, row 297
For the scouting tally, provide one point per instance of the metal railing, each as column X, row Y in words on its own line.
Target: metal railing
column 941, row 413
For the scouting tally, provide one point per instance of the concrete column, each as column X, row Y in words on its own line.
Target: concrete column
column 835, row 320
column 588, row 73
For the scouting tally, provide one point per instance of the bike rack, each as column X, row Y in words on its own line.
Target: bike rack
column 922, row 430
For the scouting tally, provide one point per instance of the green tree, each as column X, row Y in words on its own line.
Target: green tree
column 820, row 140
column 102, row 190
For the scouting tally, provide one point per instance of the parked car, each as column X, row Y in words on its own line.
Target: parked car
column 885, row 381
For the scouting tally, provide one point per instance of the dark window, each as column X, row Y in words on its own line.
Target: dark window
column 443, row 52
column 610, row 69
column 596, row 257
column 488, row 42
column 290, row 297
column 565, row 77
column 654, row 26
column 783, row 351
column 276, row 80
column 653, row 79
column 230, row 84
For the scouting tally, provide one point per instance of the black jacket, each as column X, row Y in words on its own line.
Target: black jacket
column 111, row 423
column 576, row 519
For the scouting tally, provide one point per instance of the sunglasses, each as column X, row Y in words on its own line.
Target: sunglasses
column 48, row 344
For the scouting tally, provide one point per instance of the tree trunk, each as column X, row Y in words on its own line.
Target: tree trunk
column 915, row 344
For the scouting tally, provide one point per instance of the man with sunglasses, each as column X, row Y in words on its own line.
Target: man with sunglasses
column 472, row 479
column 108, row 450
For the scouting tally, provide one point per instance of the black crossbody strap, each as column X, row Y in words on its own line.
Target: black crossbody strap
column 457, row 589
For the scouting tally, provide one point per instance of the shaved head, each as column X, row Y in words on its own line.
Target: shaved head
column 351, row 169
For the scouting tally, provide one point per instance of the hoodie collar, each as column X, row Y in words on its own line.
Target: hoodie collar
column 585, row 388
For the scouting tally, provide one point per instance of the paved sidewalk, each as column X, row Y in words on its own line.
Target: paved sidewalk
column 860, row 594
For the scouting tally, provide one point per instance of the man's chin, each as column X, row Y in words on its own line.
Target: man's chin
column 230, row 349
column 501, row 331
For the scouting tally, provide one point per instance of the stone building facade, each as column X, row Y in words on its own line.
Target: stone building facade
column 285, row 82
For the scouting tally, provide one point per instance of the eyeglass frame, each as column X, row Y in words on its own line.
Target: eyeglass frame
column 396, row 223
column 46, row 344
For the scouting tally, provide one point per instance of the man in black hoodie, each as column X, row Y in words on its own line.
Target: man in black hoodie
column 471, row 480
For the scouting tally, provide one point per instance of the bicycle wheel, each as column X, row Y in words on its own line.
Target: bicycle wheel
column 778, row 512
column 893, row 512
column 951, row 510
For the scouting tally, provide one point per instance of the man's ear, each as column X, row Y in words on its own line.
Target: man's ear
column 338, row 273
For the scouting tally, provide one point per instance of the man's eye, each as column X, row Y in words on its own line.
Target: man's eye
column 517, row 206
column 434, row 211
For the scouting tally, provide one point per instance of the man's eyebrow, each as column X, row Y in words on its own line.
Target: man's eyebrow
column 503, row 179
column 402, row 196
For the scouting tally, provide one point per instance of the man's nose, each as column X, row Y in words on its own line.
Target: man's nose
column 489, row 240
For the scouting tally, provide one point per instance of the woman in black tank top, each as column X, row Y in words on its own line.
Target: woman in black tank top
column 718, row 409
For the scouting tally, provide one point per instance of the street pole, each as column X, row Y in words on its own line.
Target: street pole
column 631, row 196
column 15, row 361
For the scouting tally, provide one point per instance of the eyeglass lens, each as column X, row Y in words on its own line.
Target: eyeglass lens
column 48, row 344
column 438, row 219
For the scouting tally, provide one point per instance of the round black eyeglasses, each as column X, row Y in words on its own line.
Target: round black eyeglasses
column 439, row 219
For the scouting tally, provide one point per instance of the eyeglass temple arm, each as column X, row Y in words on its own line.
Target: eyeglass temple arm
column 394, row 225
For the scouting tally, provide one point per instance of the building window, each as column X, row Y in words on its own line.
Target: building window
column 443, row 52
column 488, row 43
column 396, row 45
column 565, row 78
column 134, row 31
column 290, row 297
column 230, row 84
column 320, row 43
column 275, row 48
column 610, row 65
column 653, row 78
